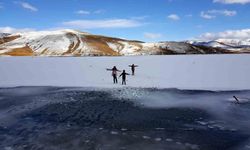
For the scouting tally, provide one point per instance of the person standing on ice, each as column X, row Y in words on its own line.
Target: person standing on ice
column 123, row 75
column 133, row 66
column 114, row 74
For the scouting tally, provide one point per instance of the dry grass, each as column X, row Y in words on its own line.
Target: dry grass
column 100, row 45
column 24, row 51
column 8, row 39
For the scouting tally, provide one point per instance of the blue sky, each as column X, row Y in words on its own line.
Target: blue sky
column 146, row 20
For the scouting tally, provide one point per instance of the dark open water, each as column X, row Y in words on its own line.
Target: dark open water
column 52, row 118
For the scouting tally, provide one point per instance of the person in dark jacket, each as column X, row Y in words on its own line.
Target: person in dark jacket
column 114, row 74
column 133, row 66
column 123, row 75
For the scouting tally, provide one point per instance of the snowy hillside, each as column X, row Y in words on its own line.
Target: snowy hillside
column 75, row 43
column 229, row 44
column 4, row 35
column 211, row 44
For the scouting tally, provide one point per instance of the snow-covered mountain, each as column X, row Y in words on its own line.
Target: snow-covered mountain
column 75, row 43
column 235, row 42
column 4, row 35
column 229, row 44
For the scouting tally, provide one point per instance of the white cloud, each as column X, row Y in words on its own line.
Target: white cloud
column 232, row 1
column 229, row 34
column 14, row 30
column 174, row 17
column 28, row 6
column 206, row 15
column 211, row 14
column 108, row 23
column 83, row 12
column 152, row 35
column 223, row 12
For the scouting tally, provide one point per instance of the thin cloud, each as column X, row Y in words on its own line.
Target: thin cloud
column 189, row 15
column 174, row 17
column 232, row 1
column 199, row 26
column 108, row 23
column 8, row 29
column 100, row 11
column 140, row 17
column 82, row 12
column 211, row 14
column 152, row 35
column 207, row 15
column 1, row 5
column 86, row 12
column 27, row 6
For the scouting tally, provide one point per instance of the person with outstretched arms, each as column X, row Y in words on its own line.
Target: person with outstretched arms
column 123, row 75
column 133, row 66
column 114, row 74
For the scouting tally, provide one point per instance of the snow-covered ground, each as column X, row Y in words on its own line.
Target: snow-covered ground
column 210, row 72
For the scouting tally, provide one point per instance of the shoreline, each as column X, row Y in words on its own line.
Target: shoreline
column 126, row 87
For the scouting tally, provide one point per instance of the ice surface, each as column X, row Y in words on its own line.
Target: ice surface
column 79, row 118
column 211, row 72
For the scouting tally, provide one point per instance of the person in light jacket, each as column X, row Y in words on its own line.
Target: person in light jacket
column 114, row 74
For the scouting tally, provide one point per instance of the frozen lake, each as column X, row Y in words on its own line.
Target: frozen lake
column 210, row 72
column 73, row 105
column 53, row 118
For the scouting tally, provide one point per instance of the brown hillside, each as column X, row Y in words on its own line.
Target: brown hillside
column 8, row 39
column 24, row 51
